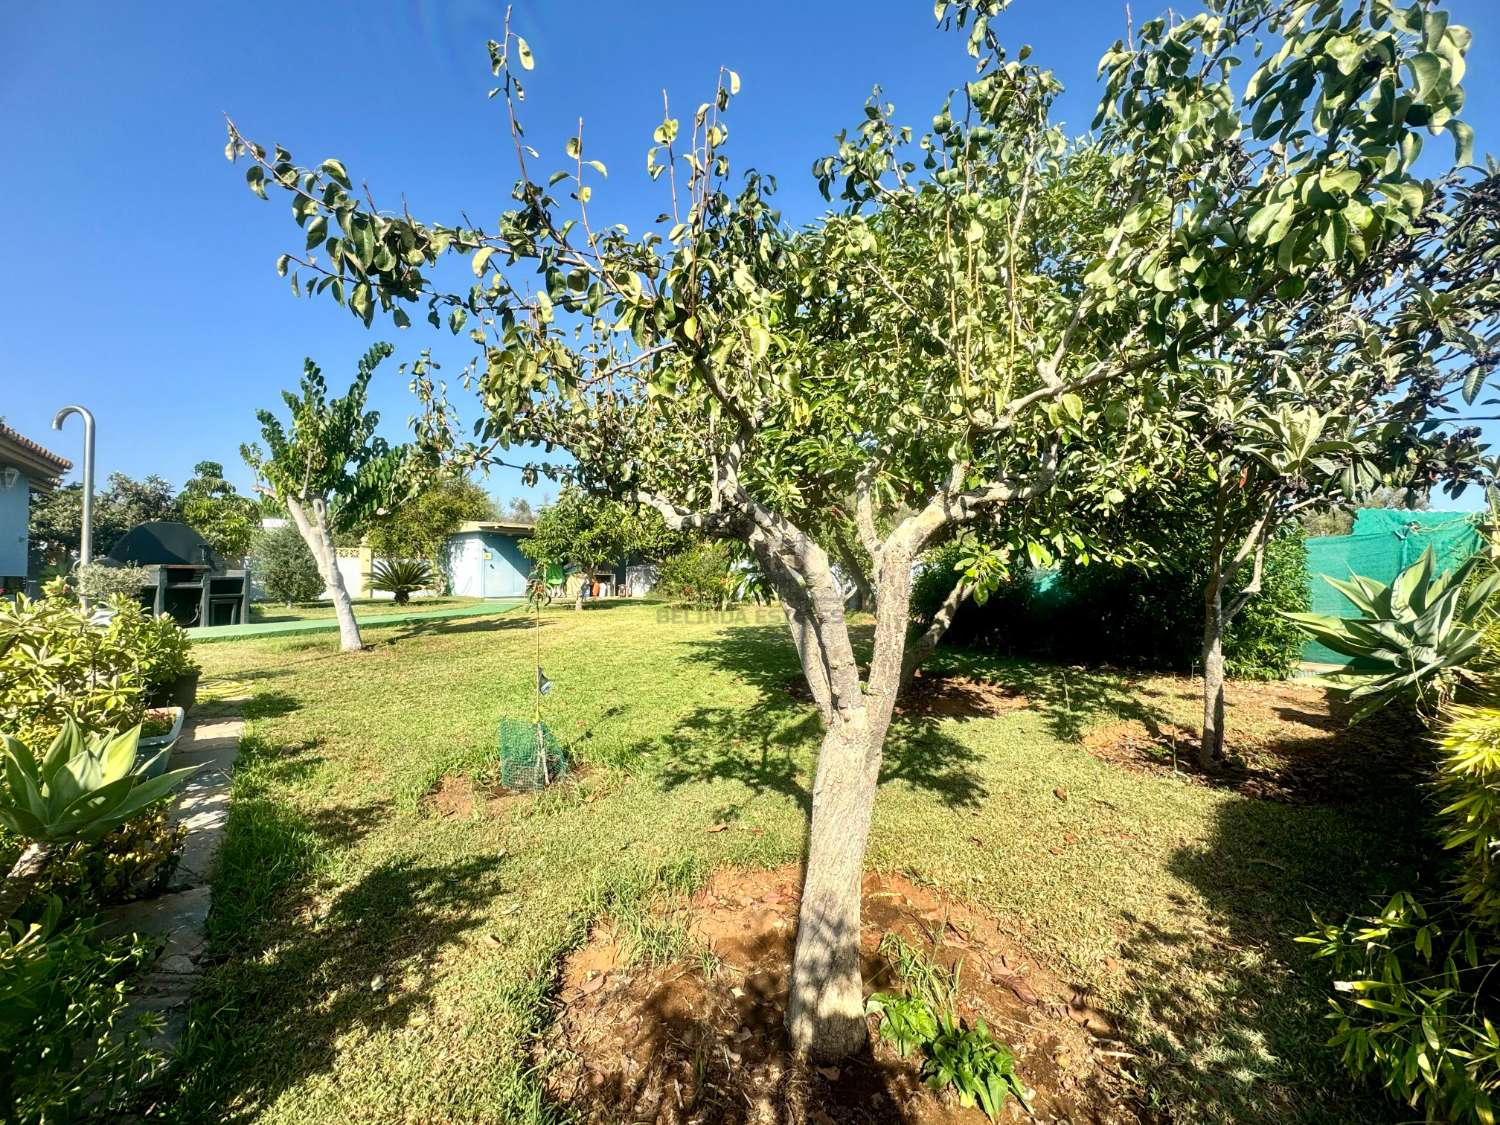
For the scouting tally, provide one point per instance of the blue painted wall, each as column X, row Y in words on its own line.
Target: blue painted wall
column 487, row 564
column 15, row 510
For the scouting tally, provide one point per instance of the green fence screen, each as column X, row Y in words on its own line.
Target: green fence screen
column 1383, row 543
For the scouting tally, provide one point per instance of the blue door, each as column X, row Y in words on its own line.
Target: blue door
column 505, row 568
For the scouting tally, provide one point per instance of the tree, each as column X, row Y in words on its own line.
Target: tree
column 330, row 471
column 418, row 527
column 585, row 532
column 1340, row 521
column 987, row 327
column 212, row 507
column 520, row 510
column 56, row 522
column 284, row 566
column 1347, row 386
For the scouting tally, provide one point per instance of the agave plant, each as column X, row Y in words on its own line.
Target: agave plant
column 79, row 789
column 1416, row 638
column 400, row 577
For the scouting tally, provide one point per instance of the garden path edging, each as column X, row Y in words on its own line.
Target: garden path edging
column 178, row 917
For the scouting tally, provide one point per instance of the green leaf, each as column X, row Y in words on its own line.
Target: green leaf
column 1463, row 141
column 523, row 52
column 1428, row 71
column 335, row 170
column 481, row 256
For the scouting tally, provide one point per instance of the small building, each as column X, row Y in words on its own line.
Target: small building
column 485, row 559
column 25, row 468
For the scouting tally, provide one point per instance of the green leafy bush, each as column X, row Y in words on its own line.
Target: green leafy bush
column 1132, row 616
column 1414, row 1004
column 56, row 665
column 907, row 1021
column 981, row 1070
column 284, row 567
column 131, row 861
column 63, row 1031
column 103, row 581
column 702, row 575
column 160, row 647
column 401, row 577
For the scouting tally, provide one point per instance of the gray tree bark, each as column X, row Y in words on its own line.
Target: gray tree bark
column 315, row 532
column 826, row 1009
column 1211, row 747
column 22, row 878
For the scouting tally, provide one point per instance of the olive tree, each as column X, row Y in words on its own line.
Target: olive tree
column 988, row 323
column 329, row 470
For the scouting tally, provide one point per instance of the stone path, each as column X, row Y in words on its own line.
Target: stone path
column 177, row 917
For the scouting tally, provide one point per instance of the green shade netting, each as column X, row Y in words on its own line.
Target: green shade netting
column 523, row 749
column 1383, row 543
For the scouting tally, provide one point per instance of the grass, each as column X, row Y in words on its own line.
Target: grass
column 376, row 961
column 262, row 612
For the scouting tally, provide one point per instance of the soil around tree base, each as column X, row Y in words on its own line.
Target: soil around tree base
column 700, row 1039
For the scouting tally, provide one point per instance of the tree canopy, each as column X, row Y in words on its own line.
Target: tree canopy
column 993, row 326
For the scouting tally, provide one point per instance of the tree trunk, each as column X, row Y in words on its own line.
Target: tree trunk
column 1211, row 748
column 22, row 878
column 826, row 1009
column 319, row 540
column 806, row 645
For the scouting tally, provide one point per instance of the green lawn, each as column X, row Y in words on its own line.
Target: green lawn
column 363, row 608
column 377, row 961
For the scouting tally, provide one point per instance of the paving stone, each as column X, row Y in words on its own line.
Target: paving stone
column 177, row 918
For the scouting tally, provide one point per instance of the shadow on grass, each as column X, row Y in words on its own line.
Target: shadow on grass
column 1070, row 699
column 770, row 745
column 1229, row 1022
column 292, row 976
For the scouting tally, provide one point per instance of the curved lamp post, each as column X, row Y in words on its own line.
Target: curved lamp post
column 86, row 539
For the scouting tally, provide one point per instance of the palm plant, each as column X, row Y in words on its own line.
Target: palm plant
column 79, row 789
column 1416, row 639
column 400, row 577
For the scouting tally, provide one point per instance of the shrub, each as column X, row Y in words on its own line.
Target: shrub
column 79, row 789
column 160, row 647
column 103, row 581
column 56, row 665
column 1262, row 643
column 980, row 1069
column 132, row 861
column 284, row 567
column 1133, row 616
column 63, row 1034
column 703, row 575
column 1414, row 639
column 1412, row 1006
column 401, row 577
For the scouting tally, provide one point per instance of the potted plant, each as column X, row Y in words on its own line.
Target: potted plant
column 159, row 729
column 163, row 651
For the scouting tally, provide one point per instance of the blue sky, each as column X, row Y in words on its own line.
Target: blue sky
column 142, row 278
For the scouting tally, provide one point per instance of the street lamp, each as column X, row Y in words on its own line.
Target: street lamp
column 86, row 540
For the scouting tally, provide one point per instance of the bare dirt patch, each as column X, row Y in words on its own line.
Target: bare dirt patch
column 454, row 796
column 700, row 1039
column 1285, row 742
